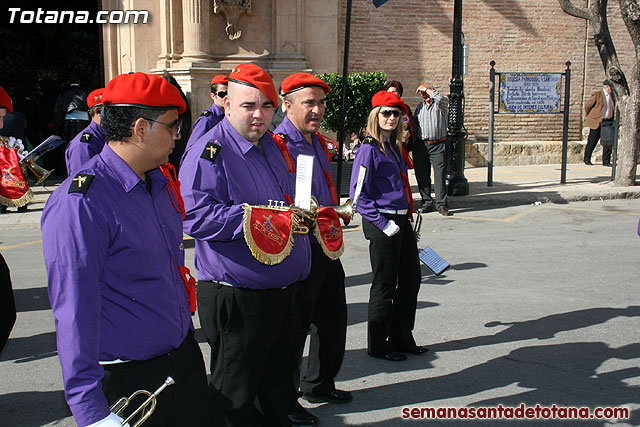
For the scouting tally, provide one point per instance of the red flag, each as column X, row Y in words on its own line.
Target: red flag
column 14, row 190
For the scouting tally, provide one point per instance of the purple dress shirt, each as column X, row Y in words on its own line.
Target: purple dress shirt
column 383, row 187
column 80, row 150
column 203, row 124
column 111, row 256
column 298, row 145
column 214, row 191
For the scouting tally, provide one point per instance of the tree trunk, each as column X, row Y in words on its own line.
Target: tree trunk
column 630, row 122
column 626, row 92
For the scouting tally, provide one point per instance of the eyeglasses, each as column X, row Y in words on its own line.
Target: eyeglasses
column 175, row 126
column 388, row 113
column 221, row 94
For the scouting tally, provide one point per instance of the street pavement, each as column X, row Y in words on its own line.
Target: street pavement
column 540, row 306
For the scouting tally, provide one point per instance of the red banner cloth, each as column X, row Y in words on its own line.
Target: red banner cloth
column 14, row 190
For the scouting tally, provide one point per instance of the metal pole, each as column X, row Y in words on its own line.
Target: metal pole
column 492, row 100
column 457, row 183
column 565, row 125
column 343, row 108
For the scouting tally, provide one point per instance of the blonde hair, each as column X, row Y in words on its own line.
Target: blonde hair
column 373, row 128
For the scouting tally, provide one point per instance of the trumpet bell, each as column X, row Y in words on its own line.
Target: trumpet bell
column 345, row 211
column 38, row 171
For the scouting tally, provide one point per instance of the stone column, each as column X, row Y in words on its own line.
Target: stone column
column 195, row 23
column 168, row 54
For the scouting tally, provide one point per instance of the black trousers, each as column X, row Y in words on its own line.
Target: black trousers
column 425, row 155
column 322, row 305
column 253, row 335
column 7, row 304
column 592, row 141
column 396, row 282
column 187, row 402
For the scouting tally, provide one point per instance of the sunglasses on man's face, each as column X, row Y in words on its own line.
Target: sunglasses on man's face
column 388, row 113
column 221, row 94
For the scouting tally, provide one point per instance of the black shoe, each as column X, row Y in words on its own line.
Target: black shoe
column 444, row 211
column 300, row 416
column 607, row 164
column 426, row 206
column 23, row 208
column 334, row 396
column 588, row 163
column 411, row 348
column 393, row 356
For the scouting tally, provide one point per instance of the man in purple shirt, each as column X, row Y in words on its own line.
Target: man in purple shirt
column 212, row 116
column 90, row 140
column 322, row 301
column 246, row 308
column 112, row 239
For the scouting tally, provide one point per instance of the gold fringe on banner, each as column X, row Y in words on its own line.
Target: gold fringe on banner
column 328, row 252
column 18, row 203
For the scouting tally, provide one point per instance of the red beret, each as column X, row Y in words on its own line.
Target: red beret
column 144, row 91
column 220, row 79
column 254, row 76
column 388, row 99
column 5, row 100
column 95, row 97
column 299, row 81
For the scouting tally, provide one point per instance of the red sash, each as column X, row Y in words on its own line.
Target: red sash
column 327, row 175
column 407, row 191
column 325, row 147
column 14, row 190
column 190, row 286
column 407, row 158
column 268, row 233
column 173, row 187
column 328, row 231
column 282, row 145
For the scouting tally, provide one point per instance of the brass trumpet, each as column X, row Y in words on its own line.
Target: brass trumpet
column 38, row 171
column 147, row 407
column 417, row 225
column 346, row 211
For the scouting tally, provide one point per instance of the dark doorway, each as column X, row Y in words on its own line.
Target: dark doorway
column 38, row 58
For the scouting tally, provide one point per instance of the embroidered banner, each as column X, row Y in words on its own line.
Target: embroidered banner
column 268, row 233
column 14, row 190
column 328, row 231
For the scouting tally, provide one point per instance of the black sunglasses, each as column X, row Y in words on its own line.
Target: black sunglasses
column 175, row 126
column 221, row 94
column 387, row 113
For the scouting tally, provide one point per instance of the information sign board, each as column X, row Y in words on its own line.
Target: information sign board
column 526, row 93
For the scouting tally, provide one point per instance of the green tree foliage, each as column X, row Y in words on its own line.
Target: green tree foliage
column 360, row 88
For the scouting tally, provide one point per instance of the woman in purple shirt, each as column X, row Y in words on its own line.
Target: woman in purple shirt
column 385, row 203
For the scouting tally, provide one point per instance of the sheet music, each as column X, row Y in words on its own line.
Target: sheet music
column 47, row 145
column 362, row 173
column 304, row 175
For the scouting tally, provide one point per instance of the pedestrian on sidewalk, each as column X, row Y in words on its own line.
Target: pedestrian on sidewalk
column 386, row 204
column 600, row 111
column 431, row 147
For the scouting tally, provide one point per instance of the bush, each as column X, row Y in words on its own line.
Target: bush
column 360, row 88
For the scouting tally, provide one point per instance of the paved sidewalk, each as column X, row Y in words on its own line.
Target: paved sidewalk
column 518, row 185
column 512, row 185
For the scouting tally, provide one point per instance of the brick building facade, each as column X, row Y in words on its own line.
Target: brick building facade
column 410, row 40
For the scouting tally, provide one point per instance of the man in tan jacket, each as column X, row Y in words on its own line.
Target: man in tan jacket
column 599, row 109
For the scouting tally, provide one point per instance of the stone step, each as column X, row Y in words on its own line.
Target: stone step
column 528, row 153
